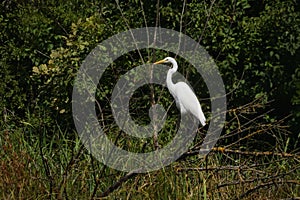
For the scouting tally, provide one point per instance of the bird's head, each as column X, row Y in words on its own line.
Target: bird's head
column 166, row 60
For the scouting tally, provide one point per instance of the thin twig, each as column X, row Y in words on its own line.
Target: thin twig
column 180, row 28
column 38, row 51
column 129, row 28
column 206, row 22
column 255, row 153
column 268, row 184
column 117, row 184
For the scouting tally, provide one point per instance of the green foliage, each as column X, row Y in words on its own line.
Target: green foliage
column 37, row 168
column 255, row 48
column 54, row 80
column 254, row 45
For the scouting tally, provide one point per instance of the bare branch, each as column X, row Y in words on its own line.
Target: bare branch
column 117, row 184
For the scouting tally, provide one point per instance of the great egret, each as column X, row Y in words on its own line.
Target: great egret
column 184, row 96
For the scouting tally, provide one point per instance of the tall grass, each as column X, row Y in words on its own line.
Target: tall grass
column 38, row 165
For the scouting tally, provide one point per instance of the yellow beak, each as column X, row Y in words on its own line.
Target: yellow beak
column 159, row 62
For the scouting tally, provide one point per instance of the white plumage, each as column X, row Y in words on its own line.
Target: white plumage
column 185, row 98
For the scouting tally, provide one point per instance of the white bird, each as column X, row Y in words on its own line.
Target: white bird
column 184, row 96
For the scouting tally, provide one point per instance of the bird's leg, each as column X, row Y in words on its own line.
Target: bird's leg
column 178, row 122
column 156, row 146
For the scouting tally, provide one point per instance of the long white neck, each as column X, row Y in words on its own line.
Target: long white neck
column 171, row 71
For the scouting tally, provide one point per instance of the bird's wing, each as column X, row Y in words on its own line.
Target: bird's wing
column 188, row 99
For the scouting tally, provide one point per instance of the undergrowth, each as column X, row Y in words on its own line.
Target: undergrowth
column 60, row 168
